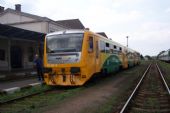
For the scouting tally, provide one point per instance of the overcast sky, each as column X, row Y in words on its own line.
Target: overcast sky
column 146, row 22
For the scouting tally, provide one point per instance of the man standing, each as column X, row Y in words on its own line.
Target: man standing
column 39, row 66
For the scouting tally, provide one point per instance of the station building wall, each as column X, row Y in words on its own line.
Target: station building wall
column 17, row 54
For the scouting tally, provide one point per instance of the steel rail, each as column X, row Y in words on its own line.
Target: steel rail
column 134, row 91
column 22, row 97
column 163, row 79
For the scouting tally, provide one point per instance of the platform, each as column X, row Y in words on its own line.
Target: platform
column 6, row 86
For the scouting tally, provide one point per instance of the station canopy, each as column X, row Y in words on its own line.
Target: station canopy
column 18, row 33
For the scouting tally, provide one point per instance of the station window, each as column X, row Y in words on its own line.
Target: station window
column 2, row 54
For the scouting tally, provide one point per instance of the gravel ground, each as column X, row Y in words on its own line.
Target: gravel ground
column 91, row 99
column 165, row 69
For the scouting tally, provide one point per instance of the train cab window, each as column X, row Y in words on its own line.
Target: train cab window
column 90, row 49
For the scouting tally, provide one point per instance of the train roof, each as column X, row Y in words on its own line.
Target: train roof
column 86, row 30
column 164, row 52
column 118, row 44
column 66, row 31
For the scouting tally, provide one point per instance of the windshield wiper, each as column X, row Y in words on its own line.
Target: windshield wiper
column 69, row 50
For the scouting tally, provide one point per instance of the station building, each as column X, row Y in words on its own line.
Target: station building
column 22, row 35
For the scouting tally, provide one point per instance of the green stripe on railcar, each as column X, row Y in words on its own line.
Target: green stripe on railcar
column 112, row 64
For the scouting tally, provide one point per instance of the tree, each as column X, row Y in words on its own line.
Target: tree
column 148, row 57
column 141, row 56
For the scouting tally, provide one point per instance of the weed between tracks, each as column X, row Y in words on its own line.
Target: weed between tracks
column 165, row 68
column 151, row 102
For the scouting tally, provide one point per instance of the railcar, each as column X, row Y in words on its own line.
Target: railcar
column 72, row 57
column 164, row 56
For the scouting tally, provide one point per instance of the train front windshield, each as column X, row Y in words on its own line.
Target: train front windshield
column 64, row 43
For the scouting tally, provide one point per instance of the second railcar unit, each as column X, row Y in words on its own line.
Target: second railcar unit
column 72, row 57
column 165, row 56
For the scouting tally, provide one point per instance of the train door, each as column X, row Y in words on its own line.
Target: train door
column 97, row 59
column 91, row 54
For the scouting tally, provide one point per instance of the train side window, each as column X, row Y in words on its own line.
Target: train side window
column 114, row 47
column 90, row 49
column 102, row 46
column 120, row 49
column 107, row 44
column 107, row 49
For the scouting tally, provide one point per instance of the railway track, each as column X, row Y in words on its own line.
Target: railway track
column 19, row 104
column 151, row 95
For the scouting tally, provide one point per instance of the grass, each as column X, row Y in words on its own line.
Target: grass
column 52, row 99
column 39, row 102
column 24, row 92
column 165, row 68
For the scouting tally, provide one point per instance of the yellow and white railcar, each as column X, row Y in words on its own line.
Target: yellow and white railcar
column 72, row 57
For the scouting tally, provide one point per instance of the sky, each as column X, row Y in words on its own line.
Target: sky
column 145, row 22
